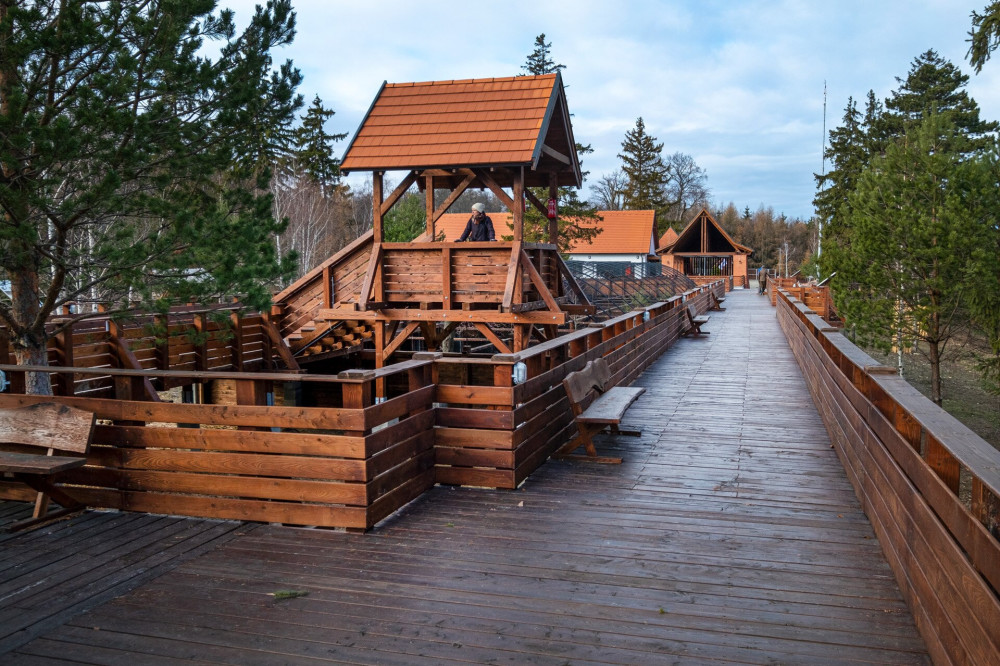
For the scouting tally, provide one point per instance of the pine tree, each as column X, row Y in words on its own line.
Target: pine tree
column 934, row 85
column 540, row 61
column 571, row 208
column 313, row 152
column 912, row 237
column 642, row 162
column 985, row 35
column 133, row 165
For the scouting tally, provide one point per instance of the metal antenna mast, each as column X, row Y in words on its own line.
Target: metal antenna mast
column 819, row 240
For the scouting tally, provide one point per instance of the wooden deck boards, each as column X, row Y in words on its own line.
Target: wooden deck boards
column 728, row 535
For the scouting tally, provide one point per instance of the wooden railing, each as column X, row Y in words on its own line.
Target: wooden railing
column 185, row 340
column 347, row 464
column 352, row 459
column 929, row 485
column 494, row 433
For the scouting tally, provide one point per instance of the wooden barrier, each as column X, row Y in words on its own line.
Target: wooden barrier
column 908, row 460
column 349, row 465
column 495, row 433
column 351, row 461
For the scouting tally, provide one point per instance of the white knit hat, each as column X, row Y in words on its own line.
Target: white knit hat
column 478, row 207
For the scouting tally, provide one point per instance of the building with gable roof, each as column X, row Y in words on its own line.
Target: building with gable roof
column 627, row 236
column 704, row 252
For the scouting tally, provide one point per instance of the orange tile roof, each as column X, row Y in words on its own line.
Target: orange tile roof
column 624, row 231
column 668, row 238
column 453, row 124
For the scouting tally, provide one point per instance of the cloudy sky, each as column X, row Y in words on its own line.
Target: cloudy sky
column 737, row 84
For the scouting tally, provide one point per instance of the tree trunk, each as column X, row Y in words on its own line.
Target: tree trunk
column 935, row 359
column 28, row 337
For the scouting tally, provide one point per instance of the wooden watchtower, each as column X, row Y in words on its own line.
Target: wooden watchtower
column 507, row 135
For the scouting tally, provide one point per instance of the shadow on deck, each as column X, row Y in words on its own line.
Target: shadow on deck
column 730, row 533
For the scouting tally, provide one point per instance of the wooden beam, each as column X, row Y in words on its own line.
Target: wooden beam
column 277, row 343
column 366, row 287
column 398, row 192
column 400, row 339
column 554, row 222
column 446, row 278
column 552, row 152
column 467, row 316
column 455, row 194
column 492, row 337
column 379, row 234
column 512, row 285
column 494, row 187
column 429, row 207
column 539, row 283
column 517, row 212
column 536, row 202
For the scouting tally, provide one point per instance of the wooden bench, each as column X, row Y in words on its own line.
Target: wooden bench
column 49, row 428
column 716, row 302
column 695, row 322
column 596, row 405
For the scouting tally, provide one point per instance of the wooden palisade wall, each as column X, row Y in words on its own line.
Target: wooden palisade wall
column 907, row 460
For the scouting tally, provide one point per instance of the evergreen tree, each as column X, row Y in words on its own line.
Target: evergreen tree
column 571, row 208
column 642, row 162
column 132, row 165
column 540, row 61
column 847, row 157
column 912, row 236
column 934, row 85
column 985, row 35
column 314, row 147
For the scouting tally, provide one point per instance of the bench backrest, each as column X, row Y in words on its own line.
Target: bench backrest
column 584, row 385
column 692, row 313
column 47, row 425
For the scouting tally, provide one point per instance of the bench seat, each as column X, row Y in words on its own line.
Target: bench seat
column 610, row 407
column 33, row 463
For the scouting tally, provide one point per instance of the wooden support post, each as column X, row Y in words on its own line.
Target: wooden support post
column 517, row 213
column 327, row 287
column 554, row 221
column 236, row 343
column 986, row 507
column 252, row 392
column 446, row 278
column 162, row 348
column 380, row 356
column 64, row 357
column 429, row 207
column 379, row 232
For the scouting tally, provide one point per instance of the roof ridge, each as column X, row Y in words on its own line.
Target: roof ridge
column 496, row 79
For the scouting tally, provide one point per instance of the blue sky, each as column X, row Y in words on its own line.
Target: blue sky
column 736, row 84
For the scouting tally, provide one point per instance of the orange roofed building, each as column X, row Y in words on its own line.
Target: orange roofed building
column 627, row 236
column 704, row 251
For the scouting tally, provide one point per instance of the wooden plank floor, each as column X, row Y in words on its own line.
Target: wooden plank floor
column 729, row 534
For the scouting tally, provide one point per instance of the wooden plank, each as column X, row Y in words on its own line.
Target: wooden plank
column 610, row 407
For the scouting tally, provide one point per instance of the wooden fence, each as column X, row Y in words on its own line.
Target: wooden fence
column 929, row 485
column 351, row 460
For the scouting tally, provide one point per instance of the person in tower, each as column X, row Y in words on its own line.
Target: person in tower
column 479, row 227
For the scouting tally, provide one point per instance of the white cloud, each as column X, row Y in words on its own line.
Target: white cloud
column 738, row 85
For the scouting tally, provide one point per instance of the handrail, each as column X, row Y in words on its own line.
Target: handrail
column 347, row 376
column 911, row 465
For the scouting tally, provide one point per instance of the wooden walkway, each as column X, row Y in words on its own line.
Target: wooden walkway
column 729, row 534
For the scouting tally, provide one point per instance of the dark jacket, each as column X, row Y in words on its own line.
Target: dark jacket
column 478, row 232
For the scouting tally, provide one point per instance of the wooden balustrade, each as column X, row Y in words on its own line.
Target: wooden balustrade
column 929, row 485
column 353, row 459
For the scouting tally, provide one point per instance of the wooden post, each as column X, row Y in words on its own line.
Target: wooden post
column 64, row 357
column 429, row 196
column 236, row 350
column 251, row 392
column 327, row 288
column 162, row 322
column 517, row 214
column 377, row 207
column 554, row 221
